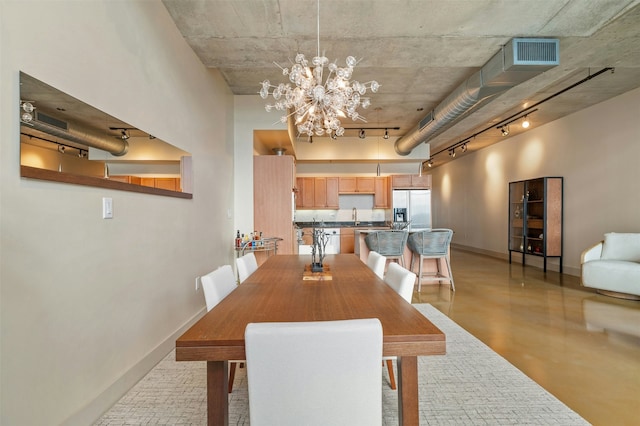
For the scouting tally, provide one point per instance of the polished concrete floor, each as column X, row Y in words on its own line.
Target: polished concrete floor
column 581, row 346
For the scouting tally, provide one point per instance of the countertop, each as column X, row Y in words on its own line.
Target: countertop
column 349, row 224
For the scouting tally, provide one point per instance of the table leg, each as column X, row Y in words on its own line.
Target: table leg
column 217, row 393
column 408, row 391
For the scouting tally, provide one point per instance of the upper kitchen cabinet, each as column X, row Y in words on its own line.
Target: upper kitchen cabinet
column 326, row 192
column 356, row 185
column 382, row 194
column 273, row 182
column 411, row 182
column 317, row 193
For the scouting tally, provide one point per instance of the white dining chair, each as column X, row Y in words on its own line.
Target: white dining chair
column 216, row 286
column 246, row 265
column 331, row 377
column 402, row 281
column 376, row 262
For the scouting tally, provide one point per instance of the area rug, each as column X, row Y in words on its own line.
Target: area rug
column 470, row 385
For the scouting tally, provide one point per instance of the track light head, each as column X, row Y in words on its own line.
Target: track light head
column 124, row 135
column 463, row 148
column 386, row 134
column 525, row 123
column 430, row 163
column 362, row 134
column 505, row 130
column 452, row 153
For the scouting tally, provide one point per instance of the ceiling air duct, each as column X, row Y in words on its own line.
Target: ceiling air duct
column 517, row 61
column 52, row 126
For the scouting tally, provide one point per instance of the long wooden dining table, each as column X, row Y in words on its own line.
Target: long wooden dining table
column 278, row 292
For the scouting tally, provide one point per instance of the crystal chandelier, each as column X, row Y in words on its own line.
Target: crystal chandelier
column 319, row 101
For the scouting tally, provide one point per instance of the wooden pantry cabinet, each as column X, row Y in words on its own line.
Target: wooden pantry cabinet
column 273, row 182
column 535, row 218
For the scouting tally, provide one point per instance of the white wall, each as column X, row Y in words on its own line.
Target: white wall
column 596, row 150
column 89, row 305
column 250, row 115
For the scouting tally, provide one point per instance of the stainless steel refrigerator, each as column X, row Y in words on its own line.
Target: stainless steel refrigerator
column 414, row 206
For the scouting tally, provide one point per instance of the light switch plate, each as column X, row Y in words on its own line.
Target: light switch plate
column 107, row 208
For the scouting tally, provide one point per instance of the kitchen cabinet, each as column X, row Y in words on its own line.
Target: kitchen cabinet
column 306, row 193
column 411, row 182
column 171, row 184
column 382, row 193
column 273, row 180
column 317, row 193
column 347, row 240
column 356, row 185
column 326, row 193
column 535, row 218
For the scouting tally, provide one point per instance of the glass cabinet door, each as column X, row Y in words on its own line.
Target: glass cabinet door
column 516, row 216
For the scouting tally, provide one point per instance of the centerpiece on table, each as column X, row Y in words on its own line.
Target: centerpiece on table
column 320, row 240
column 318, row 271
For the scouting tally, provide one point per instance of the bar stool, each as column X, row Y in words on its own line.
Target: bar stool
column 432, row 244
column 390, row 244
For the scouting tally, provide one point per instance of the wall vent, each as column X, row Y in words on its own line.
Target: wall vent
column 52, row 121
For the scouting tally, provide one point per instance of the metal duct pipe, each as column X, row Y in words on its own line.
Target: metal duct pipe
column 117, row 147
column 517, row 62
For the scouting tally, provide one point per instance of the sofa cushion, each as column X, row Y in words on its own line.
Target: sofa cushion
column 612, row 275
column 621, row 246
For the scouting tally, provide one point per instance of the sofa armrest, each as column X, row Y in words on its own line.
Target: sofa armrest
column 592, row 253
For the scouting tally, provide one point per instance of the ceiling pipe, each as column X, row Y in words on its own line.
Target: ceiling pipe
column 518, row 61
column 117, row 147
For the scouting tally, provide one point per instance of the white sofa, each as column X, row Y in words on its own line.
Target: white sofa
column 613, row 265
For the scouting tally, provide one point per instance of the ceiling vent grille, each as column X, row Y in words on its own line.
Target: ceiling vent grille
column 533, row 51
column 428, row 119
column 52, row 121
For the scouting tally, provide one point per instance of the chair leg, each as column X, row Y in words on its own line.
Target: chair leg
column 232, row 375
column 392, row 378
column 453, row 287
column 420, row 274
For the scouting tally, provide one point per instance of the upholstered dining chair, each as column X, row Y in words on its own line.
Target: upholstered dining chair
column 433, row 244
column 402, row 281
column 246, row 265
column 331, row 377
column 390, row 244
column 376, row 262
column 216, row 286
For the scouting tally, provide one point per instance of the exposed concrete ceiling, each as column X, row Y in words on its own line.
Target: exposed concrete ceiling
column 420, row 51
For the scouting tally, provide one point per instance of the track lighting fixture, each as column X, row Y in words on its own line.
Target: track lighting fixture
column 525, row 122
column 452, row 153
column 124, row 135
column 430, row 163
column 362, row 134
column 463, row 148
column 386, row 134
column 61, row 149
column 504, row 130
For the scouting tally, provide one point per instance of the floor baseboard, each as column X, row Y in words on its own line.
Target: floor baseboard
column 106, row 399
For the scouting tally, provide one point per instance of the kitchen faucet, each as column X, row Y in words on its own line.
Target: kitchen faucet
column 354, row 216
